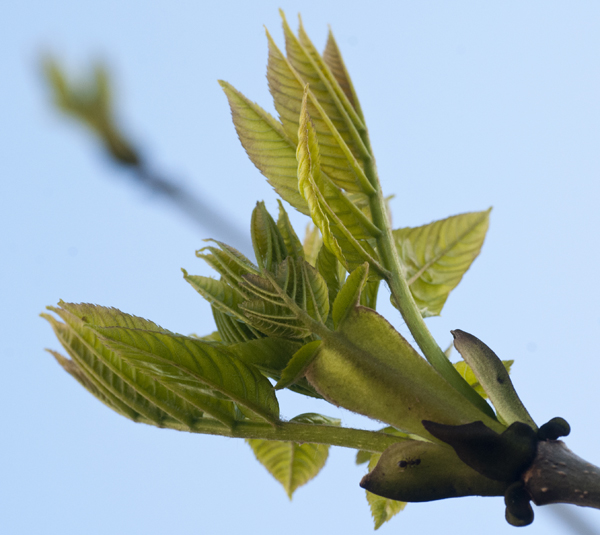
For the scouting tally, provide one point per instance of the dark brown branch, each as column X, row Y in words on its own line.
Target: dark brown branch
column 557, row 475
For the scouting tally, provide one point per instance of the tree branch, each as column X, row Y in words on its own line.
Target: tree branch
column 557, row 475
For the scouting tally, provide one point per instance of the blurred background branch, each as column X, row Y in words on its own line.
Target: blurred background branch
column 89, row 100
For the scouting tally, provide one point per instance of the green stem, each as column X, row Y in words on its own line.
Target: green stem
column 405, row 301
column 345, row 437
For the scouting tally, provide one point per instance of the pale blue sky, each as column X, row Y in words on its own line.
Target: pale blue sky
column 469, row 105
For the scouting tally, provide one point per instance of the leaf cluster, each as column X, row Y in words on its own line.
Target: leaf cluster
column 302, row 314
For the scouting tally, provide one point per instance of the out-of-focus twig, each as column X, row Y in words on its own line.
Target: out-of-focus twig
column 90, row 102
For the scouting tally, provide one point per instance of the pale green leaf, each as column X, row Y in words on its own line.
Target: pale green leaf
column 267, row 145
column 341, row 235
column 298, row 364
column 349, row 295
column 274, row 320
column 312, row 243
column 329, row 268
column 382, row 509
column 217, row 293
column 437, row 255
column 183, row 362
column 368, row 297
column 269, row 245
column 333, row 59
column 292, row 464
column 172, row 397
column 231, row 330
column 308, row 64
column 287, row 88
column 135, row 395
column 71, row 367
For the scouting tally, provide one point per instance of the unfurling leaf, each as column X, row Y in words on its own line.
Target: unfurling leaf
column 333, row 59
column 291, row 240
column 349, row 295
column 310, row 67
column 382, row 509
column 269, row 245
column 187, row 365
column 287, row 87
column 156, row 376
column 344, row 228
column 292, row 464
column 134, row 395
column 267, row 145
column 282, row 303
column 437, row 255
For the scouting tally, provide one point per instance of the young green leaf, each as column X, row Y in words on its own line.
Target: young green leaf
column 218, row 294
column 309, row 65
column 269, row 245
column 329, row 268
column 285, row 302
column 349, row 295
column 312, row 244
column 268, row 146
column 287, row 88
column 71, row 367
column 437, row 255
column 180, row 362
column 232, row 330
column 298, row 364
column 292, row 464
column 341, row 231
column 333, row 59
column 382, row 509
column 136, row 395
column 291, row 240
column 368, row 297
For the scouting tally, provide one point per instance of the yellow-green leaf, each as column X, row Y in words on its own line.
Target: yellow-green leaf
column 437, row 255
column 133, row 394
column 333, row 59
column 309, row 65
column 349, row 295
column 382, row 509
column 269, row 245
column 287, row 88
column 347, row 243
column 292, row 464
column 268, row 146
